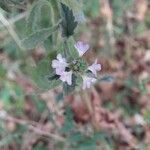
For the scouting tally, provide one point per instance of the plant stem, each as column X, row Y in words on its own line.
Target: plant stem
column 10, row 29
column 87, row 101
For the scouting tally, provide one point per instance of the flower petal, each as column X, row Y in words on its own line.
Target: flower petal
column 95, row 67
column 87, row 82
column 66, row 77
column 59, row 64
column 81, row 47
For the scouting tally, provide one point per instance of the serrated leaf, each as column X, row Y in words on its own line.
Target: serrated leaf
column 68, row 21
column 40, row 75
column 37, row 38
column 77, row 8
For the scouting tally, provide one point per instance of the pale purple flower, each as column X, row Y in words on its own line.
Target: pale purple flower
column 66, row 77
column 95, row 67
column 59, row 64
column 87, row 82
column 81, row 47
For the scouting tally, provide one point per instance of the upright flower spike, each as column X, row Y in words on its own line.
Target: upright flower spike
column 87, row 82
column 95, row 67
column 66, row 77
column 81, row 47
column 59, row 64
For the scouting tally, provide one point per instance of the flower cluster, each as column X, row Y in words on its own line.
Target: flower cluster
column 65, row 69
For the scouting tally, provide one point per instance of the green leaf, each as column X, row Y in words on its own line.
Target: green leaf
column 12, row 49
column 40, row 75
column 40, row 16
column 4, row 5
column 37, row 38
column 68, row 21
column 72, row 52
column 77, row 8
column 7, row 5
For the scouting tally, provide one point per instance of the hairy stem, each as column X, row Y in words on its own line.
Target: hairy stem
column 11, row 31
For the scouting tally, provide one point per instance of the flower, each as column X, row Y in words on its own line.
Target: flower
column 59, row 64
column 66, row 77
column 94, row 67
column 87, row 82
column 139, row 119
column 81, row 47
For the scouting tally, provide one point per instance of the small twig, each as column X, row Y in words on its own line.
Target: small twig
column 15, row 19
column 32, row 127
column 87, row 101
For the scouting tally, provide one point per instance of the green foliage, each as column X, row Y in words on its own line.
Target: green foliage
column 2, row 71
column 142, row 87
column 68, row 21
column 39, row 104
column 9, row 139
column 72, row 52
column 16, row 1
column 147, row 116
column 38, row 37
column 40, row 75
column 40, row 16
column 7, row 5
column 12, row 97
column 69, row 122
column 80, row 141
column 75, row 6
column 42, row 28
column 91, row 7
column 40, row 147
column 43, row 15
column 119, row 7
column 12, row 49
column 4, row 5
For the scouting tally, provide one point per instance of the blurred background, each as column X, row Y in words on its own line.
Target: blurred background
column 117, row 115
